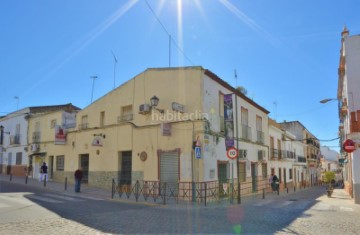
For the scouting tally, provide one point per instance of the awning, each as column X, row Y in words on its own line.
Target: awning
column 41, row 154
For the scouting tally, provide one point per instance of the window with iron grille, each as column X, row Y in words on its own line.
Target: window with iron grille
column 18, row 158
column 242, row 171
column 264, row 170
column 60, row 160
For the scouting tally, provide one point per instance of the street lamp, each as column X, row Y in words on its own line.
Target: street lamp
column 154, row 101
column 327, row 100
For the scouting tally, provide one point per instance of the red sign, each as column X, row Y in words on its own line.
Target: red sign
column 349, row 146
column 232, row 153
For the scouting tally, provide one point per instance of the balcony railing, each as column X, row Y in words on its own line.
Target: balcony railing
column 290, row 154
column 246, row 132
column 83, row 126
column 14, row 139
column 261, row 155
column 301, row 159
column 125, row 118
column 274, row 153
column 260, row 137
column 36, row 137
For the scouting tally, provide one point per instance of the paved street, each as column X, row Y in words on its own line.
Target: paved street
column 32, row 209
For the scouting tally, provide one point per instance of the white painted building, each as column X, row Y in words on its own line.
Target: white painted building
column 287, row 159
column 349, row 108
column 249, row 129
column 13, row 141
column 16, row 148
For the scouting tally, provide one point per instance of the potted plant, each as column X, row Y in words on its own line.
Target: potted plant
column 329, row 177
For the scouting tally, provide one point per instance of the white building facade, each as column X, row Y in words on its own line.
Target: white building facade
column 349, row 108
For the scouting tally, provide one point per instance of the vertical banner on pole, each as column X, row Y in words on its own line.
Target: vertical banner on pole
column 229, row 121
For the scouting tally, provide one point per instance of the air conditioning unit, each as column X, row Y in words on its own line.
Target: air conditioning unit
column 144, row 108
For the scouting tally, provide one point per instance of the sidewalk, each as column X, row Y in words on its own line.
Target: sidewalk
column 86, row 191
column 339, row 197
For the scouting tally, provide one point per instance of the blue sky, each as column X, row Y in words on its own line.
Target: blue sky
column 286, row 53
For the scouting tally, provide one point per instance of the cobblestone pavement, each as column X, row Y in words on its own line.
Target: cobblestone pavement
column 335, row 215
column 47, row 226
column 307, row 211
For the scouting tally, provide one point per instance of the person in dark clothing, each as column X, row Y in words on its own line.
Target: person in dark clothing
column 43, row 172
column 275, row 183
column 78, row 177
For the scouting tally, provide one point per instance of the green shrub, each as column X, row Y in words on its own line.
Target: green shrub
column 329, row 176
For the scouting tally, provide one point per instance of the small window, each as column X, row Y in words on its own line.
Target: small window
column 84, row 122
column 127, row 113
column 60, row 160
column 264, row 170
column 242, row 171
column 53, row 123
column 18, row 158
column 102, row 119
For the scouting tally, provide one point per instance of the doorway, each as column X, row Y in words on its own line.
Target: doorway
column 222, row 176
column 254, row 176
column 8, row 168
column 84, row 165
column 125, row 165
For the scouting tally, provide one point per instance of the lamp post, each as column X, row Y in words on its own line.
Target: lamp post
column 154, row 101
column 327, row 100
column 1, row 135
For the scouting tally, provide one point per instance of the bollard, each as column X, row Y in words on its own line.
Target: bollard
column 10, row 177
column 44, row 180
column 263, row 192
column 137, row 190
column 278, row 191
column 165, row 193
column 287, row 190
column 205, row 192
column 65, row 187
column 113, row 188
column 294, row 188
column 26, row 179
column 239, row 193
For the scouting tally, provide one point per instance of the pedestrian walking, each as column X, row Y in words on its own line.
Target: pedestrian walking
column 275, row 183
column 43, row 172
column 271, row 179
column 78, row 177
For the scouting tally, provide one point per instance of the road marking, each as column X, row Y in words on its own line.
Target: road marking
column 43, row 199
column 63, row 197
column 321, row 207
column 92, row 198
column 342, row 208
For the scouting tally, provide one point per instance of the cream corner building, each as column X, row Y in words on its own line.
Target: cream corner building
column 122, row 136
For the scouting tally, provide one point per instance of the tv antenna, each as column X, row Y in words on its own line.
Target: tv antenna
column 17, row 102
column 115, row 62
column 92, row 91
column 235, row 77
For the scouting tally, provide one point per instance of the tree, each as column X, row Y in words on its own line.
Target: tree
column 242, row 90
